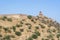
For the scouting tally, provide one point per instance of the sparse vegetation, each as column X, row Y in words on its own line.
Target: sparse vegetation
column 27, row 23
column 28, row 28
column 49, row 31
column 58, row 35
column 34, row 36
column 12, row 36
column 37, row 27
column 21, row 22
column 18, row 33
column 21, row 30
column 5, row 29
column 9, row 19
column 4, row 18
column 52, row 39
column 42, row 39
column 14, row 28
column 0, row 35
column 54, row 30
column 7, row 37
column 17, row 25
column 37, row 33
column 29, row 16
column 42, row 26
column 30, row 38
column 9, row 31
column 47, row 39
column 33, row 21
column 50, row 36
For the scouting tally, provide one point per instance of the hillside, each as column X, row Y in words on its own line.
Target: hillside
column 27, row 27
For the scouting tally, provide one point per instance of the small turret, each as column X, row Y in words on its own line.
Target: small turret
column 40, row 14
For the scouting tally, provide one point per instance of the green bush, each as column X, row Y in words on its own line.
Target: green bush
column 37, row 33
column 17, row 25
column 7, row 37
column 52, row 39
column 21, row 22
column 49, row 31
column 12, row 36
column 34, row 36
column 54, row 30
column 50, row 36
column 3, row 18
column 18, row 33
column 9, row 31
column 42, row 39
column 29, row 27
column 46, row 39
column 30, row 38
column 29, row 16
column 42, row 26
column 33, row 21
column 6, row 29
column 58, row 35
column 0, row 35
column 14, row 28
column 37, row 27
column 21, row 30
column 27, row 24
column 49, row 25
column 9, row 19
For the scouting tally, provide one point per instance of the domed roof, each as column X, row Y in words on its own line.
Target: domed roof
column 40, row 13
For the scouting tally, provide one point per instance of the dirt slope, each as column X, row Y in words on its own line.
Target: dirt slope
column 27, row 27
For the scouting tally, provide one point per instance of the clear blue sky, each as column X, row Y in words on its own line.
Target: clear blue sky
column 50, row 8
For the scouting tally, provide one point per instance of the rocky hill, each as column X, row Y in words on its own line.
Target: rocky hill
column 27, row 27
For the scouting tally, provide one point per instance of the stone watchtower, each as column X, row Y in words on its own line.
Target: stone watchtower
column 40, row 14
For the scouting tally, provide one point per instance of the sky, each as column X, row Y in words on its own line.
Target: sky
column 50, row 8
